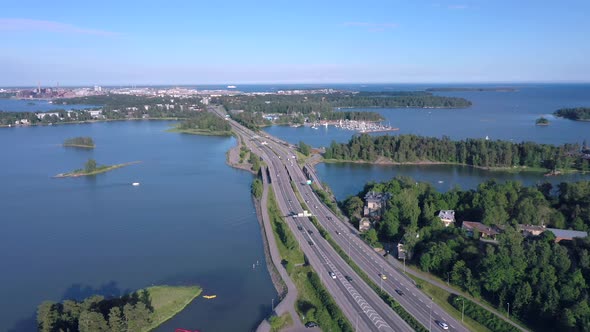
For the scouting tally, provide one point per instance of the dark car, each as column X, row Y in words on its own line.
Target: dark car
column 299, row 228
column 310, row 231
column 349, row 279
column 311, row 324
column 399, row 292
column 310, row 243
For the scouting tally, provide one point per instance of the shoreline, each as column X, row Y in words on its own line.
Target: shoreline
column 82, row 146
column 428, row 163
column 98, row 171
column 87, row 122
column 199, row 132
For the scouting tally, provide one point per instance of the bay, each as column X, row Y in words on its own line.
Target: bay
column 30, row 105
column 191, row 221
column 442, row 177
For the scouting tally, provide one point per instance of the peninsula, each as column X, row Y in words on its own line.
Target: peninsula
column 79, row 142
column 577, row 114
column 143, row 310
column 92, row 168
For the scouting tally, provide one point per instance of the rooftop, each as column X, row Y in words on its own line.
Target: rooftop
column 566, row 233
column 447, row 214
column 472, row 225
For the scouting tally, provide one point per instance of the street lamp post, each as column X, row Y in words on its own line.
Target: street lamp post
column 272, row 304
column 404, row 263
column 508, row 309
column 448, row 277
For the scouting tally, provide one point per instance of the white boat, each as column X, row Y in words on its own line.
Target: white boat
column 135, row 184
column 231, row 86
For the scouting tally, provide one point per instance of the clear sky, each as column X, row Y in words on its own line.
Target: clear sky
column 205, row 42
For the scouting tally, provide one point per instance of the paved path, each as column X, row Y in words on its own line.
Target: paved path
column 287, row 305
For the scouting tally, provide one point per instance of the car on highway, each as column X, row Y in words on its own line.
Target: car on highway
column 311, row 324
column 399, row 292
column 329, row 218
column 337, row 232
column 310, row 231
column 332, row 274
column 443, row 325
column 300, row 228
column 383, row 276
column 348, row 278
column 310, row 243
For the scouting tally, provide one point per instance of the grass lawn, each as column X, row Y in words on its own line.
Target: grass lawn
column 205, row 132
column 168, row 301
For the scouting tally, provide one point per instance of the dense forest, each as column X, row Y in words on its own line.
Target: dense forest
column 128, row 313
column 473, row 152
column 204, row 121
column 325, row 103
column 458, row 89
column 546, row 283
column 579, row 113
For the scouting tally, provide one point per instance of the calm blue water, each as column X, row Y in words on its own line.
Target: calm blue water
column 499, row 115
column 191, row 221
column 19, row 105
column 442, row 177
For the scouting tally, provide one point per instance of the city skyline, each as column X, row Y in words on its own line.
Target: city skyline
column 112, row 43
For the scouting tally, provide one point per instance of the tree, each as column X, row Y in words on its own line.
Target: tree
column 116, row 322
column 353, row 206
column 47, row 317
column 91, row 321
column 371, row 237
column 90, row 166
column 304, row 148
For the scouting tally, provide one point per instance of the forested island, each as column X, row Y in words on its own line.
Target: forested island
column 143, row 310
column 578, row 114
column 544, row 280
column 92, row 168
column 79, row 142
column 308, row 103
column 542, row 121
column 459, row 89
column 472, row 152
column 204, row 123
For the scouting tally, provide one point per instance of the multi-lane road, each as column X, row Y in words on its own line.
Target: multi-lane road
column 363, row 307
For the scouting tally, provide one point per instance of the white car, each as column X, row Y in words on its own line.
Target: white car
column 443, row 325
column 332, row 274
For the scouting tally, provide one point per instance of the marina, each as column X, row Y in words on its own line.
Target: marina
column 354, row 125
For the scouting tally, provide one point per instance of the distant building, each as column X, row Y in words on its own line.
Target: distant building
column 95, row 114
column 447, row 217
column 364, row 224
column 486, row 232
column 374, row 203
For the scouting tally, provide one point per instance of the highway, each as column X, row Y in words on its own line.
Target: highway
column 413, row 300
column 283, row 167
column 361, row 305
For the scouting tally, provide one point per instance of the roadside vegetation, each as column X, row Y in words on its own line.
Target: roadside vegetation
column 80, row 142
column 479, row 314
column 314, row 302
column 277, row 323
column 141, row 311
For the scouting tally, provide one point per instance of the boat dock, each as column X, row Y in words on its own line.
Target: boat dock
column 360, row 126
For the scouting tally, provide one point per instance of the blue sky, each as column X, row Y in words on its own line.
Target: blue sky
column 205, row 42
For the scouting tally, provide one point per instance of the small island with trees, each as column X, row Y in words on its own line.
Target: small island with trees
column 577, row 114
column 79, row 142
column 203, row 123
column 542, row 121
column 143, row 310
column 92, row 168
